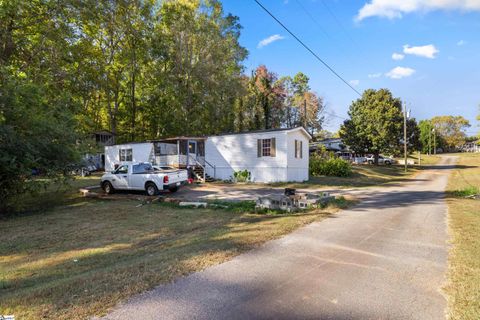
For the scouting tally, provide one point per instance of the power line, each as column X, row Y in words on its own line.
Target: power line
column 334, row 115
column 339, row 23
column 313, row 19
column 308, row 49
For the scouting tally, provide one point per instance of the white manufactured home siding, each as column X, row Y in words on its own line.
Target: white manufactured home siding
column 140, row 153
column 235, row 152
column 297, row 167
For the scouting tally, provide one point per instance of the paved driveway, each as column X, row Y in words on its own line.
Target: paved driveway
column 383, row 259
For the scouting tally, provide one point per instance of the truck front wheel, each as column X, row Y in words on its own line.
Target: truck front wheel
column 107, row 187
column 151, row 189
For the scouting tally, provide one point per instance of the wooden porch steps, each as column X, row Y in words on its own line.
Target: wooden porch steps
column 198, row 172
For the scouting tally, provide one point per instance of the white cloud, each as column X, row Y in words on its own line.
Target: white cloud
column 461, row 43
column 269, row 40
column 392, row 9
column 354, row 82
column 428, row 51
column 397, row 56
column 374, row 75
column 400, row 72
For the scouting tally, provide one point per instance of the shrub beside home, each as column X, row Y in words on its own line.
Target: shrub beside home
column 329, row 165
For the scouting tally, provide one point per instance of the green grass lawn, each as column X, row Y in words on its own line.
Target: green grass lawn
column 83, row 257
column 463, row 288
column 366, row 175
column 56, row 194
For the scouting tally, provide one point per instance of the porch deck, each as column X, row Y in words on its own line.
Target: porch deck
column 182, row 152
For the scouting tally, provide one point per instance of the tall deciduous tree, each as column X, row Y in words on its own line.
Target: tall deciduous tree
column 37, row 125
column 375, row 123
column 451, row 129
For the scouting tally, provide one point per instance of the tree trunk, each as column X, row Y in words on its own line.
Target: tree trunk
column 266, row 111
column 133, row 100
column 376, row 154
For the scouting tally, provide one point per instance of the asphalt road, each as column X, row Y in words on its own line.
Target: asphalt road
column 385, row 258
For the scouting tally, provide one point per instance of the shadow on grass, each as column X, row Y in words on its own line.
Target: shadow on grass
column 447, row 167
column 75, row 262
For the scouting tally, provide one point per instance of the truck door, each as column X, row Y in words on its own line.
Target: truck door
column 140, row 174
column 121, row 178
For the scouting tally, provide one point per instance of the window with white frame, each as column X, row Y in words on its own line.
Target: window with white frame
column 126, row 154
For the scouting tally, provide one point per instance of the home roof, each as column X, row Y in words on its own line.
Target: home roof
column 264, row 131
column 221, row 134
column 179, row 138
column 228, row 134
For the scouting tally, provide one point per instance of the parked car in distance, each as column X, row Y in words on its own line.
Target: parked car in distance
column 381, row 160
column 142, row 176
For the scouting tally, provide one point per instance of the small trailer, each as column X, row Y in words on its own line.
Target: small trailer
column 273, row 155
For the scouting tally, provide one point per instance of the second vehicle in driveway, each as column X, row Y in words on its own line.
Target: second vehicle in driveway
column 381, row 160
column 142, row 176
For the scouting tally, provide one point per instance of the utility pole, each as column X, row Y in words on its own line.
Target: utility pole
column 305, row 113
column 434, row 142
column 406, row 115
column 429, row 141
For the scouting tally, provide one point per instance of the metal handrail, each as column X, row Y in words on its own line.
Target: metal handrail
column 204, row 167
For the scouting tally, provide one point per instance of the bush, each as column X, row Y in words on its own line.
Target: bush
column 242, row 176
column 37, row 136
column 331, row 166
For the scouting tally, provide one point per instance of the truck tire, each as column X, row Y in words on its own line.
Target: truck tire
column 387, row 163
column 151, row 189
column 107, row 187
column 173, row 189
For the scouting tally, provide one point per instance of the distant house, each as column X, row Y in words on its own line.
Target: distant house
column 333, row 144
column 101, row 139
column 269, row 155
column 473, row 146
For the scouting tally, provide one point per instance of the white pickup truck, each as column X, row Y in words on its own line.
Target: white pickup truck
column 142, row 176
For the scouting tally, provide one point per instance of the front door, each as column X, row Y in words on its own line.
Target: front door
column 192, row 153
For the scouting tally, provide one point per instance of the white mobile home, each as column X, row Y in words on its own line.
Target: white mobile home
column 270, row 155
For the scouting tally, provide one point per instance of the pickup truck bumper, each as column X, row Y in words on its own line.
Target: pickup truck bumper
column 174, row 185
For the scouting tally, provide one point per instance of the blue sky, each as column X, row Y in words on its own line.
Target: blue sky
column 437, row 46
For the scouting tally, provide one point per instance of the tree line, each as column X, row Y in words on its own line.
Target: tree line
column 141, row 69
column 376, row 125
